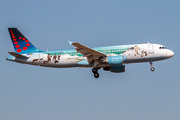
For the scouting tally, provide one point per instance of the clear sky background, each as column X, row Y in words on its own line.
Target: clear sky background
column 38, row 93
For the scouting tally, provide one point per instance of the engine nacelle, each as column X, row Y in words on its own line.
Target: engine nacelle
column 115, row 69
column 115, row 60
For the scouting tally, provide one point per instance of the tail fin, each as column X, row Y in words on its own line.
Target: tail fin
column 20, row 42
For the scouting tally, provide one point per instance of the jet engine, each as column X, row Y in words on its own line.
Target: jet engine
column 115, row 60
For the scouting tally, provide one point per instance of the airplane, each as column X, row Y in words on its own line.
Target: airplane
column 110, row 58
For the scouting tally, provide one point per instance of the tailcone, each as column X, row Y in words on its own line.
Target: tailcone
column 10, row 58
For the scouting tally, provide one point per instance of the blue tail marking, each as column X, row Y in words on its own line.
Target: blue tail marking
column 20, row 42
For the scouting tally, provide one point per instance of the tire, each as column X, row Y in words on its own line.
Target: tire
column 152, row 69
column 96, row 75
column 94, row 70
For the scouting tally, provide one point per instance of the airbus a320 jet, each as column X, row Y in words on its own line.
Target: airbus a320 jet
column 109, row 58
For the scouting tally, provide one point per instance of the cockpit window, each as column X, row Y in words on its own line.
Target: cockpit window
column 162, row 48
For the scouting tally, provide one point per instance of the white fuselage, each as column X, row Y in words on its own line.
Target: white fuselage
column 70, row 58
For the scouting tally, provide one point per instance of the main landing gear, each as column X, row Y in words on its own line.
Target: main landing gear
column 95, row 71
column 152, row 68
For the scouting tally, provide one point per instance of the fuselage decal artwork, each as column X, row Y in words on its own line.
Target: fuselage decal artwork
column 110, row 58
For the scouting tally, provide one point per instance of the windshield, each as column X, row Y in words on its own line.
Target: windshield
column 162, row 48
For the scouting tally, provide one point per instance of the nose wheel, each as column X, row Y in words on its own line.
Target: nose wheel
column 95, row 71
column 152, row 68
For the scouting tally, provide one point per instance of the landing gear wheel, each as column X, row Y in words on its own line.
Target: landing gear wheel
column 96, row 75
column 94, row 70
column 152, row 69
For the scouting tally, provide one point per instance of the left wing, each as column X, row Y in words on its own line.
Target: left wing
column 92, row 55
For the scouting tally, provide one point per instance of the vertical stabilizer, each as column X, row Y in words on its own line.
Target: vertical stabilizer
column 20, row 42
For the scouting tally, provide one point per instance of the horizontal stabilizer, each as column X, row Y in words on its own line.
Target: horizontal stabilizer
column 17, row 55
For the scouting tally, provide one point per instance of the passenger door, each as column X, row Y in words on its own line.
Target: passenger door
column 151, row 48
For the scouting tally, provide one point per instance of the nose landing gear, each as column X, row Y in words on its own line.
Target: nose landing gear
column 152, row 68
column 95, row 71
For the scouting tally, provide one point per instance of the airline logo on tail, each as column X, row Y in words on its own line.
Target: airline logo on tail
column 20, row 42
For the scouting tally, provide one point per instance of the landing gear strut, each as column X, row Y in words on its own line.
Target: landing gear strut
column 152, row 68
column 95, row 71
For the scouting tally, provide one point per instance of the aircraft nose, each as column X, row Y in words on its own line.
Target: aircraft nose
column 171, row 53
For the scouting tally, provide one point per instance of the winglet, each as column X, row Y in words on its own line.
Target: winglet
column 70, row 43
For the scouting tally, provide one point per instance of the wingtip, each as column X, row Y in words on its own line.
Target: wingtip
column 70, row 42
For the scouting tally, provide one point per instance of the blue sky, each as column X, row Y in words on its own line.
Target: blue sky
column 38, row 93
